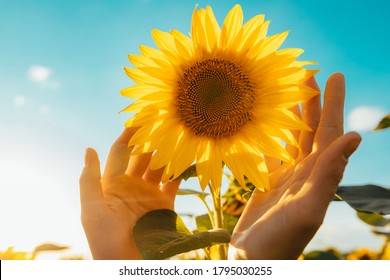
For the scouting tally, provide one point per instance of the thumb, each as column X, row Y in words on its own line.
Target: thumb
column 91, row 194
column 329, row 169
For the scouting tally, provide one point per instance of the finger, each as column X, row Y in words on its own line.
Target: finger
column 118, row 157
column 328, row 171
column 170, row 188
column 138, row 164
column 153, row 176
column 311, row 112
column 292, row 150
column 331, row 123
column 91, row 194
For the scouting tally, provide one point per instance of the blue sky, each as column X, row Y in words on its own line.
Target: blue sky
column 61, row 68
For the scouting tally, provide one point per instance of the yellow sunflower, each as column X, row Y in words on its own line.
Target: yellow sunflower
column 221, row 95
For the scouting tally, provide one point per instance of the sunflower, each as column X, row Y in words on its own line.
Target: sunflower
column 220, row 96
column 10, row 254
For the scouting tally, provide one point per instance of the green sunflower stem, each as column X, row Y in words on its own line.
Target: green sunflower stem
column 221, row 250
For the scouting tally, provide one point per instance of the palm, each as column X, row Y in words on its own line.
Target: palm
column 274, row 213
column 131, row 197
column 279, row 224
column 112, row 203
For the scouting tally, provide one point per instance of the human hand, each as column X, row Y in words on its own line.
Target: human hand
column 278, row 224
column 111, row 204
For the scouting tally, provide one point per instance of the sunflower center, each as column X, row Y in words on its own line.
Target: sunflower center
column 215, row 98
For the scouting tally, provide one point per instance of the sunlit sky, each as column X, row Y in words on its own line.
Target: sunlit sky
column 61, row 67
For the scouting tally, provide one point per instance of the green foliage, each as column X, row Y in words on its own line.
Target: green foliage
column 203, row 222
column 366, row 198
column 384, row 123
column 161, row 234
column 323, row 255
column 201, row 195
column 49, row 247
column 188, row 173
column 384, row 234
column 236, row 197
column 373, row 219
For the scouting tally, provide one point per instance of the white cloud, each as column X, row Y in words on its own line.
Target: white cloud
column 42, row 76
column 39, row 74
column 364, row 118
column 19, row 101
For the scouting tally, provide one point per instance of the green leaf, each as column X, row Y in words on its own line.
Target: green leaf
column 161, row 234
column 385, row 234
column 188, row 173
column 322, row 255
column 366, row 198
column 203, row 222
column 201, row 195
column 373, row 219
column 49, row 247
column 384, row 123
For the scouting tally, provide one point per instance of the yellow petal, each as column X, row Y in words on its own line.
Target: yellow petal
column 138, row 91
column 266, row 144
column 284, row 134
column 275, row 62
column 183, row 45
column 282, row 118
column 249, row 33
column 152, row 53
column 166, row 43
column 158, row 96
column 209, row 165
column 229, row 150
column 268, row 45
column 146, row 147
column 141, row 77
column 231, row 26
column 286, row 98
column 144, row 62
column 255, row 168
column 244, row 163
column 203, row 155
column 139, row 138
column 302, row 63
column 198, row 35
column 213, row 30
column 150, row 139
column 295, row 75
column 141, row 104
column 141, row 61
column 169, row 77
column 144, row 118
column 167, row 146
column 216, row 169
column 143, row 133
column 184, row 154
